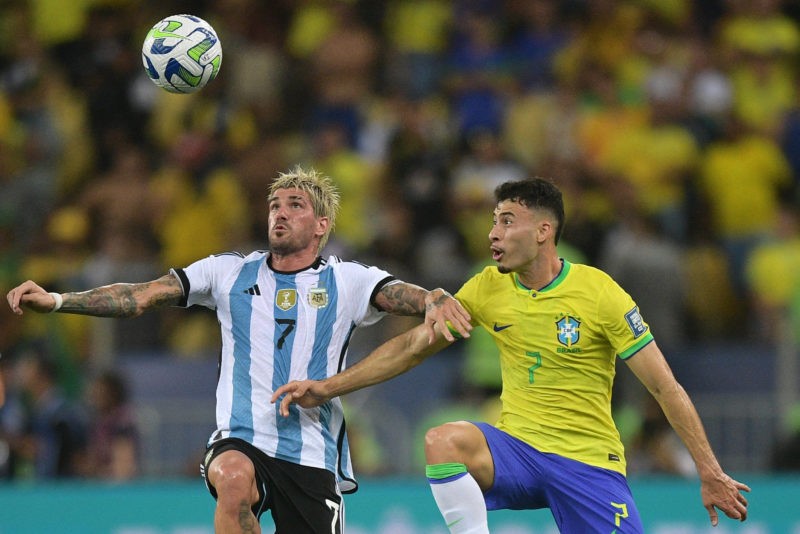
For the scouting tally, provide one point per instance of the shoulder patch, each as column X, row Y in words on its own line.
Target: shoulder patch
column 635, row 322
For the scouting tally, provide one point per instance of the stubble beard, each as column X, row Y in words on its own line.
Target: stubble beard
column 283, row 247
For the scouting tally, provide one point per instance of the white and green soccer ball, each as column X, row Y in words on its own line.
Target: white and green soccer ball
column 182, row 53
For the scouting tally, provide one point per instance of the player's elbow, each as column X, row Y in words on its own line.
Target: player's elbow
column 134, row 306
column 137, row 311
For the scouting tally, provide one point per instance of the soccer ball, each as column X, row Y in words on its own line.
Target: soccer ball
column 182, row 53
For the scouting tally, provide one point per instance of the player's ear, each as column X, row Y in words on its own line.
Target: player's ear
column 544, row 231
column 323, row 223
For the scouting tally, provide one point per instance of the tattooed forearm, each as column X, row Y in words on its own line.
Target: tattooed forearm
column 109, row 301
column 402, row 299
column 123, row 300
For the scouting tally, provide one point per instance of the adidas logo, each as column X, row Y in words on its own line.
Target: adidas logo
column 252, row 290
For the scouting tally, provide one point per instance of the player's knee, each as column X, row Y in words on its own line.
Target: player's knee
column 447, row 442
column 233, row 477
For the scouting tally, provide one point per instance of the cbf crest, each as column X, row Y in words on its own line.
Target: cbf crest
column 286, row 299
column 568, row 330
column 318, row 297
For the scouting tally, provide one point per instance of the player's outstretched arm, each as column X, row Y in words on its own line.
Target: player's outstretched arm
column 115, row 300
column 439, row 307
column 718, row 490
column 394, row 357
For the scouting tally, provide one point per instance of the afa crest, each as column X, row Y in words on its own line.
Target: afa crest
column 286, row 299
column 568, row 330
column 318, row 297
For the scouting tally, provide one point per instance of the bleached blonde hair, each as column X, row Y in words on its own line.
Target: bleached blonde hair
column 321, row 191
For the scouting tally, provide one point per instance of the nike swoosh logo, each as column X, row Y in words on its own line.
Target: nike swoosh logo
column 499, row 328
column 158, row 34
column 454, row 522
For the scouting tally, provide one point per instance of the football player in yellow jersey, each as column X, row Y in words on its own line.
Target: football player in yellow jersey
column 559, row 327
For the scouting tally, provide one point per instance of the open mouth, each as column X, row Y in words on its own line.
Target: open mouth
column 497, row 254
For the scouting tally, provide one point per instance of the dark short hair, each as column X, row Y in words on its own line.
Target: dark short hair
column 535, row 193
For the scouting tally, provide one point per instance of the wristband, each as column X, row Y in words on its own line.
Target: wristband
column 59, row 301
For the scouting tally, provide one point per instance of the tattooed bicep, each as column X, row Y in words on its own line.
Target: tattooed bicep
column 165, row 291
column 401, row 298
column 171, row 281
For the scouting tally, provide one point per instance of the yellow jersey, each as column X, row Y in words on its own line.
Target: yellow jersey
column 558, row 347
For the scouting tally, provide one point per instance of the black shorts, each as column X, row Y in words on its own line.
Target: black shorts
column 301, row 499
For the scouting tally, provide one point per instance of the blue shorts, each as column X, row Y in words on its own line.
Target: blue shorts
column 581, row 497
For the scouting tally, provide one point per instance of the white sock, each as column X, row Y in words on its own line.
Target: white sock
column 460, row 500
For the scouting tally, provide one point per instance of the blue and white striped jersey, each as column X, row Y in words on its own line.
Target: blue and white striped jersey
column 277, row 327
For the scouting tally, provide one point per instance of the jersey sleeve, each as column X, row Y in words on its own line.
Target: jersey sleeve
column 468, row 295
column 624, row 325
column 363, row 283
column 199, row 279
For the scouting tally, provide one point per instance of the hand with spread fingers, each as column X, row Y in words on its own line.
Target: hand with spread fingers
column 724, row 493
column 305, row 393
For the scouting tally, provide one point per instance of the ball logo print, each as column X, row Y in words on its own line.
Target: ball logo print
column 182, row 53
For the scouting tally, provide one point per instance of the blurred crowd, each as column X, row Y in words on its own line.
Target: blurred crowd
column 45, row 434
column 672, row 126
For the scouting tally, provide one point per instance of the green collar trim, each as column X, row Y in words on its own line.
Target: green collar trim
column 554, row 283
